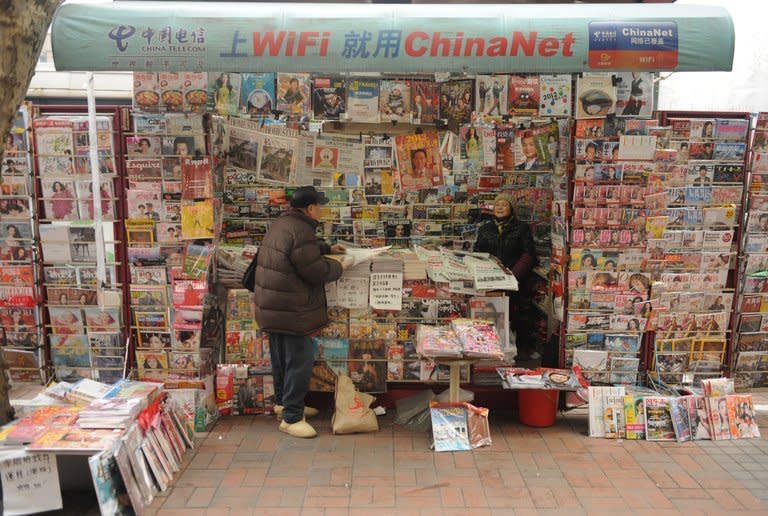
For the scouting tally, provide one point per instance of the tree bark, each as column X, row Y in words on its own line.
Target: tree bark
column 23, row 27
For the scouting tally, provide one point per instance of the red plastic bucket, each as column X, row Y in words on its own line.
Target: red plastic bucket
column 538, row 407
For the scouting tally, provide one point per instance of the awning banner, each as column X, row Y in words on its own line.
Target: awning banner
column 336, row 38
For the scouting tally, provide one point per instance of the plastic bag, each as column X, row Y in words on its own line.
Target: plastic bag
column 413, row 411
column 353, row 412
column 479, row 429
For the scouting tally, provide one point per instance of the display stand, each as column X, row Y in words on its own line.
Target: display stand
column 454, row 382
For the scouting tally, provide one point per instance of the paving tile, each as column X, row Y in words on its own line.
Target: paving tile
column 201, row 497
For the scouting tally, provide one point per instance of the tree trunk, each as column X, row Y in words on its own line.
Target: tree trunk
column 23, row 27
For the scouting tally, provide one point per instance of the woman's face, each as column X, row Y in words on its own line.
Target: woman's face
column 155, row 342
column 501, row 209
column 57, row 187
column 12, row 231
column 182, row 149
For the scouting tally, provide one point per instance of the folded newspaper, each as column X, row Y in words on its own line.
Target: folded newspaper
column 483, row 270
column 541, row 378
column 357, row 255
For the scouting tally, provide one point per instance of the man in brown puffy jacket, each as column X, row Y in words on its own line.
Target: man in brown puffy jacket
column 291, row 273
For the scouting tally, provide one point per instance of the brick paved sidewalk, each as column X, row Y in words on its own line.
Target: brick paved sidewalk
column 245, row 465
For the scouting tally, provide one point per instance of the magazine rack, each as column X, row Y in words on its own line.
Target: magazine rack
column 748, row 363
column 71, row 290
column 20, row 299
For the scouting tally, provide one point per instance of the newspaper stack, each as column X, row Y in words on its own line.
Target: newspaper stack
column 413, row 267
column 85, row 391
column 110, row 413
column 232, row 264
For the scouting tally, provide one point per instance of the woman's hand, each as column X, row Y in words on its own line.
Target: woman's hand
column 338, row 249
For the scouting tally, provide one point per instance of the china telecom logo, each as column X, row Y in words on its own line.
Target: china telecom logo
column 120, row 35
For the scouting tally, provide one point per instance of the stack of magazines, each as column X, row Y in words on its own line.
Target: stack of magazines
column 438, row 341
column 478, row 338
column 111, row 413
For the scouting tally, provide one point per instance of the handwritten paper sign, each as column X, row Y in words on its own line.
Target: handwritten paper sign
column 352, row 292
column 331, row 297
column 30, row 483
column 386, row 290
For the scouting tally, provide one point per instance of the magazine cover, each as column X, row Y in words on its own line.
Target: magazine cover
column 717, row 413
column 197, row 219
column 197, row 259
column 171, row 94
column 55, row 147
column 658, row 420
column 194, row 86
column 257, row 93
column 742, row 417
column 70, row 350
column 471, row 143
column 449, row 429
column 419, row 163
column 85, row 194
column 536, row 147
column 75, row 438
column 66, row 320
column 395, row 101
column 59, row 199
column 64, row 275
column 679, row 411
column 634, row 94
column 110, row 488
column 597, row 397
column 277, row 161
column 293, row 94
column 593, row 364
column 105, row 320
column 424, row 101
column 697, row 415
column 329, row 97
column 496, row 310
column 368, row 365
column 196, row 179
column 595, row 96
column 82, row 243
column 335, row 352
column 614, row 417
column 505, row 148
column 152, row 360
column 145, row 91
column 734, row 130
column 363, row 100
column 143, row 204
column 634, row 415
column 523, row 95
column 224, row 92
column 244, row 149
column 491, row 95
column 555, row 95
column 457, row 102
column 23, row 365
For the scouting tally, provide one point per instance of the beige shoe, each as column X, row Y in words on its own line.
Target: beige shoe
column 309, row 412
column 301, row 429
